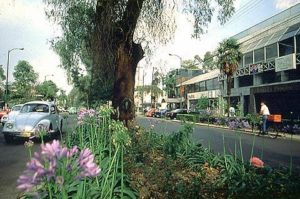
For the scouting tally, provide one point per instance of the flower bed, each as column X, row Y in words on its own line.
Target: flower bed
column 102, row 159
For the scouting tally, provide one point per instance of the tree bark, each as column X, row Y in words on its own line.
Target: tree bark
column 128, row 56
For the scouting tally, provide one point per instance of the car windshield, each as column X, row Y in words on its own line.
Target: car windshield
column 16, row 108
column 41, row 108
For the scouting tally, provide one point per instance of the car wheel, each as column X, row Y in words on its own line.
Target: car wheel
column 8, row 139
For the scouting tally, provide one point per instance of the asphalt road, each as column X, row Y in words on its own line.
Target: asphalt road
column 274, row 152
column 13, row 159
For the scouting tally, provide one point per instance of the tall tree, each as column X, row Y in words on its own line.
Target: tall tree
column 48, row 89
column 2, row 78
column 229, row 55
column 189, row 64
column 208, row 61
column 106, row 36
column 25, row 79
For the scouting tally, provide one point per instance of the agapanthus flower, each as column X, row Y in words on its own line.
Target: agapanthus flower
column 45, row 166
column 86, row 163
column 29, row 144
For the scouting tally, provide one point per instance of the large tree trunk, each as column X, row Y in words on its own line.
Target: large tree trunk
column 128, row 56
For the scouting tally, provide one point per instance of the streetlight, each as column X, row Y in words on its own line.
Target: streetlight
column 48, row 76
column 180, row 58
column 7, row 66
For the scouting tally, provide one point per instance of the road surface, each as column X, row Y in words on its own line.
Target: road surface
column 274, row 152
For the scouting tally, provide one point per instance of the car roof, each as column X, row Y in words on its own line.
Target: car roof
column 40, row 102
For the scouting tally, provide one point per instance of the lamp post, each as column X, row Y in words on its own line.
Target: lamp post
column 180, row 58
column 48, row 76
column 7, row 67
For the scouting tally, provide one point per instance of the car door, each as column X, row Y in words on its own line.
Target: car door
column 54, row 117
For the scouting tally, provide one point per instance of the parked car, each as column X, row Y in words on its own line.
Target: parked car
column 3, row 112
column 160, row 113
column 33, row 118
column 150, row 112
column 173, row 114
column 11, row 115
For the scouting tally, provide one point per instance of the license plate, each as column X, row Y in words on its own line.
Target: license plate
column 25, row 134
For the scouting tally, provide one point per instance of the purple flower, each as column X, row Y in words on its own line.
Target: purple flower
column 53, row 158
column 87, row 165
column 72, row 152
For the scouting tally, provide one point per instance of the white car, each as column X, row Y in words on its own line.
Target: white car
column 12, row 114
column 33, row 118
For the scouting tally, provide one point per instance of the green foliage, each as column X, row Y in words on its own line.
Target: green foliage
column 93, row 31
column 149, row 89
column 229, row 55
column 179, row 142
column 189, row 64
column 254, row 120
column 109, row 140
column 203, row 102
column 169, row 82
column 208, row 61
column 48, row 89
column 25, row 79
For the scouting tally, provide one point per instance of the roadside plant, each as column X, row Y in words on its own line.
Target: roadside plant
column 254, row 120
column 29, row 144
column 58, row 172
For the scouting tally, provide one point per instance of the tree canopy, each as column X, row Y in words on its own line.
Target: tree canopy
column 109, row 38
column 48, row 89
column 25, row 79
column 149, row 21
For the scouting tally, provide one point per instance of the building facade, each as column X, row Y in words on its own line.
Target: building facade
column 204, row 85
column 270, row 68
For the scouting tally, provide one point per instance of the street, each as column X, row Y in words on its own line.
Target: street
column 274, row 152
column 13, row 159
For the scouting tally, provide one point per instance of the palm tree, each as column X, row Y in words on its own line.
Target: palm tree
column 229, row 55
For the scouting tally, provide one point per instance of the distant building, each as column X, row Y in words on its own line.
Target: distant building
column 176, row 97
column 204, row 85
column 270, row 68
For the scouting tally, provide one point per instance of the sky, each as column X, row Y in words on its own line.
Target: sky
column 23, row 24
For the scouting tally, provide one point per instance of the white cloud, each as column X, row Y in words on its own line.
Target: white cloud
column 284, row 4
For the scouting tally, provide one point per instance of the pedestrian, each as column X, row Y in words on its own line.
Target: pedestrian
column 264, row 111
column 231, row 112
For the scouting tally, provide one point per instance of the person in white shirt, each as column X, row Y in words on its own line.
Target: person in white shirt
column 264, row 111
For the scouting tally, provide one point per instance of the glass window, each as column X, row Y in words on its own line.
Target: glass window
column 271, row 77
column 298, row 43
column 291, row 31
column 246, row 80
column 203, row 86
column 210, row 84
column 216, row 83
column 248, row 58
column 197, row 87
column 286, row 47
column 271, row 51
column 259, row 55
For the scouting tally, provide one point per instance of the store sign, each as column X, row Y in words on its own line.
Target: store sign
column 287, row 62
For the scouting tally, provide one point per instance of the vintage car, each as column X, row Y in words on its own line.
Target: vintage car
column 14, row 111
column 34, row 117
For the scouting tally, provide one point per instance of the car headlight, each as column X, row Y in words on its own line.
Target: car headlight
column 9, row 125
